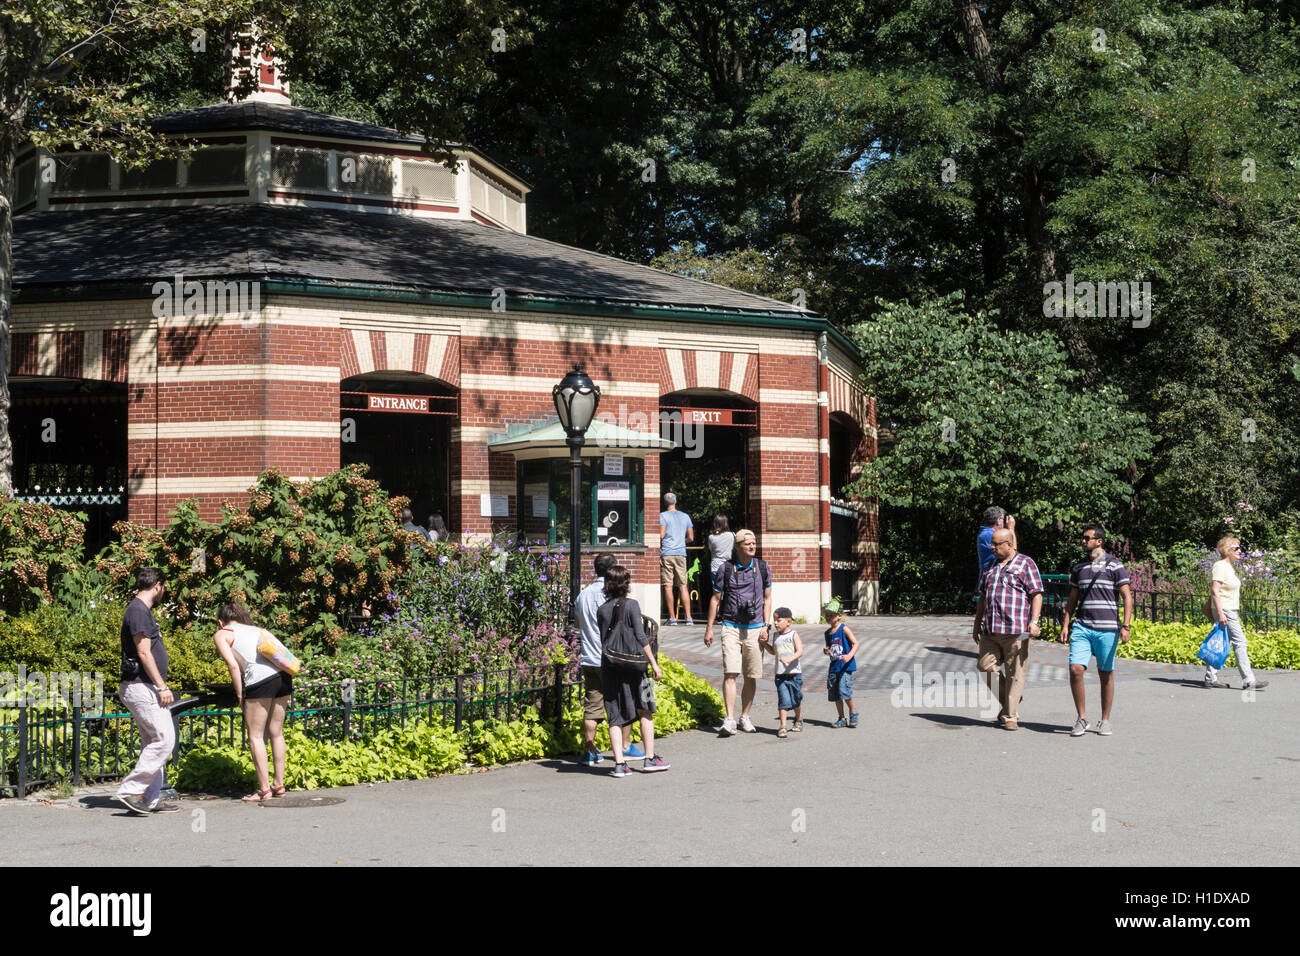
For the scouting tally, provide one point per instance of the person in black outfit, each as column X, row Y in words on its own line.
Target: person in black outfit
column 625, row 651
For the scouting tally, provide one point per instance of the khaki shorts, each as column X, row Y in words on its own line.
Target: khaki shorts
column 672, row 570
column 593, row 703
column 741, row 654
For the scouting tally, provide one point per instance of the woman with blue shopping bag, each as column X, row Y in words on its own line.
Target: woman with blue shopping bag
column 1224, row 606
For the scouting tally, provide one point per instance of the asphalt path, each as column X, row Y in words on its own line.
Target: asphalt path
column 1190, row 777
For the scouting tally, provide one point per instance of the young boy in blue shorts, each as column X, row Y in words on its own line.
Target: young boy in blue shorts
column 788, row 648
column 842, row 648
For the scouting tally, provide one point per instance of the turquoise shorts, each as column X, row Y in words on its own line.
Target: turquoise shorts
column 1086, row 643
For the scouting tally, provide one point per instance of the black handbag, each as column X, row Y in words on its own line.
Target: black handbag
column 618, row 644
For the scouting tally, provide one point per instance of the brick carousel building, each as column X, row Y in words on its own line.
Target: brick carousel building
column 310, row 291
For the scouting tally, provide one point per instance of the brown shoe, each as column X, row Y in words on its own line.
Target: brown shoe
column 1011, row 724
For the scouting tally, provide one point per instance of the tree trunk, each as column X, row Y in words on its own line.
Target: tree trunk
column 8, row 147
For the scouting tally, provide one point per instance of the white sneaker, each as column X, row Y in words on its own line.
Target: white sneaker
column 747, row 726
column 728, row 728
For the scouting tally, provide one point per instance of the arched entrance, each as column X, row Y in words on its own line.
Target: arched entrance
column 708, row 471
column 399, row 423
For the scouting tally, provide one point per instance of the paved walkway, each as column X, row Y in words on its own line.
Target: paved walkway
column 1190, row 778
column 892, row 646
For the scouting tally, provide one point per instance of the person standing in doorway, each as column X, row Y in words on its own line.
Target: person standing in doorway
column 1011, row 602
column 438, row 527
column 1225, row 595
column 1097, row 631
column 408, row 524
column 676, row 531
column 743, row 605
column 722, row 543
column 146, row 695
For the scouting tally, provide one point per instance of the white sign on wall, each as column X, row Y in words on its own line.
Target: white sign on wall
column 494, row 506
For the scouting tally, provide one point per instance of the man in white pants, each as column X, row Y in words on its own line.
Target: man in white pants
column 145, row 693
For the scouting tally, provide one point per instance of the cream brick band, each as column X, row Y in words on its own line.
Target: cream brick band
column 519, row 383
column 790, row 539
column 787, row 396
column 260, row 372
column 810, row 445
column 248, row 428
column 785, row 492
column 223, row 485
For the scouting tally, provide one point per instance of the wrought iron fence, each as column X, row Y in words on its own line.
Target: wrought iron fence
column 1163, row 607
column 41, row 747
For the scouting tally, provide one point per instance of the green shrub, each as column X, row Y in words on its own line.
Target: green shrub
column 1178, row 644
column 302, row 556
column 54, row 638
column 683, row 702
column 407, row 753
column 39, row 546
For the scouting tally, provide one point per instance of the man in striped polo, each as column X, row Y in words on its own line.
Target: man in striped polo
column 1011, row 601
column 1097, row 631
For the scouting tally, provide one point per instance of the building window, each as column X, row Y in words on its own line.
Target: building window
column 217, row 166
column 367, row 175
column 613, row 504
column 160, row 174
column 296, row 168
column 82, row 173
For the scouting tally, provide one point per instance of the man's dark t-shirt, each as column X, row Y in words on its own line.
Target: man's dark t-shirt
column 139, row 619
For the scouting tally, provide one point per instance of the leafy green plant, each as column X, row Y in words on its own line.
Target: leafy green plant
column 39, row 546
column 302, row 556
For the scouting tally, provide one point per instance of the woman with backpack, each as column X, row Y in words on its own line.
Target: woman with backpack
column 262, row 689
column 625, row 651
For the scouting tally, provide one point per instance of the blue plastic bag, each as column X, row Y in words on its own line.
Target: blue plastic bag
column 1216, row 647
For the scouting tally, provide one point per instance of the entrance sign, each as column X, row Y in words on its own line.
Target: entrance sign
column 613, row 463
column 396, row 403
column 541, row 506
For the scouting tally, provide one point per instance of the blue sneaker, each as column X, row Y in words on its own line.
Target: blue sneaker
column 853, row 720
column 590, row 759
column 633, row 752
column 840, row 723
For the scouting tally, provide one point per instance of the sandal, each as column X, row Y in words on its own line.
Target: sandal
column 798, row 726
column 257, row 796
column 782, row 733
column 279, row 791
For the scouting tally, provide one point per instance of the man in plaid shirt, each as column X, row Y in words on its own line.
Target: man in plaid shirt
column 1011, row 600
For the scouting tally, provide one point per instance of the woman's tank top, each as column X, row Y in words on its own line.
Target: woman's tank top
column 256, row 667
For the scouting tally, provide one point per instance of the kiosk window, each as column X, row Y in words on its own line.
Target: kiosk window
column 612, row 506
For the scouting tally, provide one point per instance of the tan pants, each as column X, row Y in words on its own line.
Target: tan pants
column 997, row 650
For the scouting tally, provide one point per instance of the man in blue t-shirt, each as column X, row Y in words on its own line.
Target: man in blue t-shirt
column 1097, row 584
column 676, row 531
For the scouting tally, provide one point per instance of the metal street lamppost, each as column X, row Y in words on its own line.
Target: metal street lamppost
column 576, row 398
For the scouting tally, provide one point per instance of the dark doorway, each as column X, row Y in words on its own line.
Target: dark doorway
column 845, row 565
column 69, row 441
column 708, row 472
column 408, row 450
